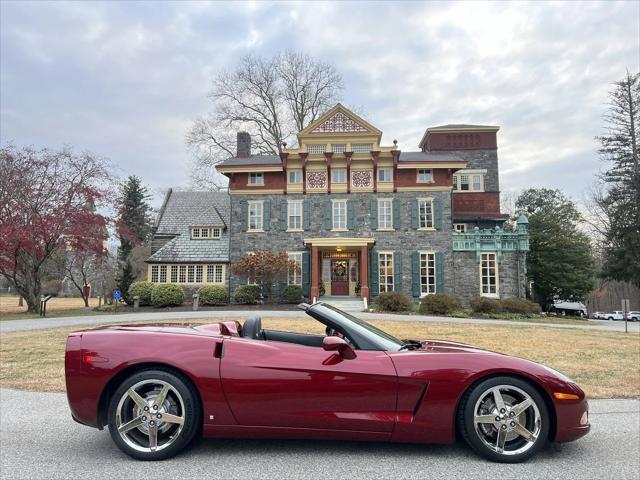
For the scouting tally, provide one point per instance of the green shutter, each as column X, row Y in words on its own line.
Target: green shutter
column 439, row 272
column 414, row 214
column 305, row 214
column 397, row 220
column 415, row 274
column 351, row 215
column 244, row 215
column 266, row 215
column 397, row 271
column 284, row 207
column 306, row 274
column 374, row 287
column 374, row 213
column 437, row 213
column 328, row 215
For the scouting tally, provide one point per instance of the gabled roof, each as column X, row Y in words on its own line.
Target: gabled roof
column 184, row 209
column 351, row 124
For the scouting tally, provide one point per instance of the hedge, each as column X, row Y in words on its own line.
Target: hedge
column 167, row 295
column 393, row 302
column 142, row 290
column 520, row 305
column 439, row 303
column 213, row 295
column 247, row 294
column 486, row 305
column 292, row 294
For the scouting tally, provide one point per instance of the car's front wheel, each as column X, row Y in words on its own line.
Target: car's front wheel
column 154, row 414
column 504, row 419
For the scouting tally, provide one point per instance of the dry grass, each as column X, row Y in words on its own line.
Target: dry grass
column 9, row 304
column 605, row 364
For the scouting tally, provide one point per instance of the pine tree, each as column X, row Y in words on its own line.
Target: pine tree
column 124, row 280
column 134, row 223
column 621, row 201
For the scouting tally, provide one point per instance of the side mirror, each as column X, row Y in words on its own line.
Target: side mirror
column 340, row 345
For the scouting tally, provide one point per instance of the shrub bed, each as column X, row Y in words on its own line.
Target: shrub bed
column 213, row 295
column 167, row 295
column 486, row 305
column 292, row 294
column 247, row 294
column 142, row 290
column 439, row 303
column 520, row 305
column 393, row 302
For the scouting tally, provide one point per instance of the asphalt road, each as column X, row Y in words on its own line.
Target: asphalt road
column 40, row 324
column 38, row 439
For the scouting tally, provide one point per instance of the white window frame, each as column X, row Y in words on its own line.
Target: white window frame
column 154, row 273
column 385, row 170
column 476, row 177
column 387, row 216
column 174, row 273
column 474, row 181
column 297, row 177
column 428, row 280
column 316, row 148
column 460, row 227
column 293, row 277
column 206, row 233
column 339, row 214
column 256, row 178
column 258, row 214
column 293, row 205
column 162, row 277
column 361, row 147
column 182, row 277
column 386, row 263
column 343, row 172
column 422, row 202
column 339, row 147
column 424, row 175
column 491, row 260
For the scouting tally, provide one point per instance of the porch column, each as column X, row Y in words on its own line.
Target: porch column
column 364, row 272
column 315, row 273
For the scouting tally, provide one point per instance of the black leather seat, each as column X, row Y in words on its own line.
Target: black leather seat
column 252, row 328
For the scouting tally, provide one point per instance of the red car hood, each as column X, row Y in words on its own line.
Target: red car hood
column 442, row 346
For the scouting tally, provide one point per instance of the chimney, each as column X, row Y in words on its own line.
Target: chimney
column 244, row 145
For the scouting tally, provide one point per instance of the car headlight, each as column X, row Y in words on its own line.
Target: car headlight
column 560, row 375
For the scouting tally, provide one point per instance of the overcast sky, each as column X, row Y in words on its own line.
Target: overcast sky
column 125, row 80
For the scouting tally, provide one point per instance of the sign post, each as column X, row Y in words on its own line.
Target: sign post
column 625, row 312
column 117, row 296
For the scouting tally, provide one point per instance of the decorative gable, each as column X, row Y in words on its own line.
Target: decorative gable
column 339, row 123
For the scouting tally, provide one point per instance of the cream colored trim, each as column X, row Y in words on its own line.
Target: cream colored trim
column 204, row 266
column 424, row 189
column 289, row 170
column 385, row 229
column 249, row 169
column 264, row 191
column 427, row 165
column 339, row 242
column 339, row 229
column 459, row 174
column 255, row 202
column 385, row 187
column 295, row 188
column 289, row 203
column 495, row 261
column 339, row 188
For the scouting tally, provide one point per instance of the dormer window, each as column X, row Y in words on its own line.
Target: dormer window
column 316, row 148
column 361, row 147
column 256, row 178
column 425, row 175
column 206, row 233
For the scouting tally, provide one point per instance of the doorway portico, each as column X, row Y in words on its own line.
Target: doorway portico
column 340, row 265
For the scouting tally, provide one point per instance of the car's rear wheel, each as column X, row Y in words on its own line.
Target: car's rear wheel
column 154, row 414
column 504, row 419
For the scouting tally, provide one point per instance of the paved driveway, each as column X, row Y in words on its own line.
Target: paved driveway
column 38, row 324
column 39, row 440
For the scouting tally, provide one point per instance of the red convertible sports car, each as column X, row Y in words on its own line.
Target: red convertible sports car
column 157, row 387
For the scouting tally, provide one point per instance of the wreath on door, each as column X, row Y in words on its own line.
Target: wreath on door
column 339, row 271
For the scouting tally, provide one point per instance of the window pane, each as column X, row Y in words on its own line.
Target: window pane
column 219, row 277
column 464, row 182
column 425, row 175
column 255, row 216
column 295, row 277
column 385, row 213
column 295, row 176
column 163, row 274
column 338, row 175
column 488, row 274
column 427, row 273
column 210, row 277
column 316, row 148
column 195, row 233
column 215, row 232
column 340, row 214
column 361, row 147
column 183, row 274
column 154, row 274
column 295, row 215
column 385, row 270
column 174, row 274
column 190, row 273
column 199, row 273
column 476, row 182
column 384, row 175
column 255, row 178
column 425, row 213
column 341, row 148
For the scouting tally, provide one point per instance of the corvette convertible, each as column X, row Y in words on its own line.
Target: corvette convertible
column 156, row 387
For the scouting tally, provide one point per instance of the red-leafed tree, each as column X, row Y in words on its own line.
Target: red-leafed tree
column 264, row 268
column 49, row 202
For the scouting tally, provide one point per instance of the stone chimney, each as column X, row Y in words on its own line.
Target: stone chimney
column 244, row 145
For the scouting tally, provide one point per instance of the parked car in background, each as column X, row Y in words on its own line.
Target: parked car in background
column 615, row 315
column 634, row 316
column 577, row 309
column 598, row 315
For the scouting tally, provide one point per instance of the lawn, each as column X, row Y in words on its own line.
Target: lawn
column 9, row 305
column 605, row 364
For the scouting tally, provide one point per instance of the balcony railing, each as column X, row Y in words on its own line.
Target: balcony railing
column 492, row 240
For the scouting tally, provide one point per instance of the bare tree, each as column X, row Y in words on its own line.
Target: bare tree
column 271, row 98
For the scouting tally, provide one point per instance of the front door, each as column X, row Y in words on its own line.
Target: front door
column 339, row 277
column 279, row 384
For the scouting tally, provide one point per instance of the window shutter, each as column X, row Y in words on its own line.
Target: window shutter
column 374, row 279
column 374, row 213
column 414, row 214
column 284, row 212
column 415, row 274
column 328, row 215
column 397, row 271
column 437, row 213
column 305, row 214
column 244, row 215
column 306, row 273
column 397, row 221
column 266, row 215
column 351, row 215
column 439, row 272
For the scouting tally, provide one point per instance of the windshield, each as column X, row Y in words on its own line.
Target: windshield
column 388, row 342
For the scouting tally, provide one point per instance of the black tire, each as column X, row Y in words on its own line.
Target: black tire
column 610, row 319
column 466, row 425
column 192, row 413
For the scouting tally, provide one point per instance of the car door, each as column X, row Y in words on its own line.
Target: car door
column 279, row 384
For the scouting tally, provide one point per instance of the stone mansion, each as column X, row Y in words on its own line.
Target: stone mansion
column 359, row 217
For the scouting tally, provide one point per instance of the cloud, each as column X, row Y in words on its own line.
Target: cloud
column 125, row 79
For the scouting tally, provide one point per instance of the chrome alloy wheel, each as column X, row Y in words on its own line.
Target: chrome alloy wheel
column 507, row 420
column 150, row 415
